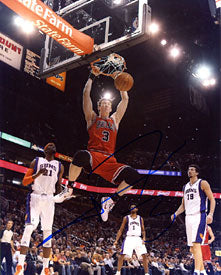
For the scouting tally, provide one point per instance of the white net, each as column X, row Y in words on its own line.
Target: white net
column 110, row 64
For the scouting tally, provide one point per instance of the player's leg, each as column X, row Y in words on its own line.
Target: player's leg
column 197, row 254
column 127, row 248
column 198, row 227
column 126, row 178
column 81, row 160
column 141, row 250
column 145, row 264
column 120, row 263
column 47, row 218
column 8, row 259
column 31, row 220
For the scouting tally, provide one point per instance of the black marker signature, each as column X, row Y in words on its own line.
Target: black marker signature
column 83, row 216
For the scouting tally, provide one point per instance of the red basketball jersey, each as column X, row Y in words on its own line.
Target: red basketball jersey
column 206, row 237
column 102, row 135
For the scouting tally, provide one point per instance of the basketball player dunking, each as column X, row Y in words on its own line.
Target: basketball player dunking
column 102, row 131
column 43, row 173
column 195, row 196
column 135, row 227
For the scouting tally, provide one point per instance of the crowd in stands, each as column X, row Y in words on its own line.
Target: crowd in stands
column 87, row 247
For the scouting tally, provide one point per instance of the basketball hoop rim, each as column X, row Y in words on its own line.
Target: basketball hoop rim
column 113, row 75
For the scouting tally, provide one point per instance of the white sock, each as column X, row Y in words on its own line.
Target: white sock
column 196, row 271
column 147, row 274
column 118, row 273
column 45, row 262
column 203, row 271
column 21, row 259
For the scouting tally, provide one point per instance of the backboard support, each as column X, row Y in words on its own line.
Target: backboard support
column 113, row 28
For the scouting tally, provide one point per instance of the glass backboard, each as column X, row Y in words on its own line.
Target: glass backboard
column 113, row 24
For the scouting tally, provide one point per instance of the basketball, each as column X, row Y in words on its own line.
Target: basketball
column 123, row 82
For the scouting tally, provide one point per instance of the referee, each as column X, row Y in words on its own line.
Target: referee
column 7, row 245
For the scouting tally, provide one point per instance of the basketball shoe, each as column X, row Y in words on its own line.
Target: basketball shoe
column 19, row 270
column 45, row 271
column 107, row 204
column 66, row 194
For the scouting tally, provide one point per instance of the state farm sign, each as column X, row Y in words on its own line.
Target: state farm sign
column 53, row 25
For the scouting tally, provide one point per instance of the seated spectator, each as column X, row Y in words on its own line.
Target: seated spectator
column 56, row 265
column 31, row 260
column 97, row 261
column 68, row 263
column 108, row 264
column 136, row 264
column 182, row 267
column 39, row 263
column 15, row 257
column 62, row 262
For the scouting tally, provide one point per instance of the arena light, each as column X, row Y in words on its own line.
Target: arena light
column 117, row 2
column 206, row 83
column 163, row 42
column 212, row 81
column 154, row 28
column 174, row 52
column 27, row 27
column 107, row 96
column 16, row 182
column 203, row 72
column 18, row 21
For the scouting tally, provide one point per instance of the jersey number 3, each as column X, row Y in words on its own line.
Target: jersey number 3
column 106, row 135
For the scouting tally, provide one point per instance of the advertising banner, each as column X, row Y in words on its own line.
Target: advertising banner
column 10, row 52
column 51, row 24
column 58, row 81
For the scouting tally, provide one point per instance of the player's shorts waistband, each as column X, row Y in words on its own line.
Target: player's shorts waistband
column 103, row 152
column 42, row 194
column 133, row 236
column 201, row 212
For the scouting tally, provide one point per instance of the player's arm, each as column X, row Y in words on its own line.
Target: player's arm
column 206, row 188
column 12, row 246
column 180, row 210
column 87, row 103
column 143, row 230
column 212, row 237
column 59, row 183
column 120, row 231
column 29, row 176
column 121, row 108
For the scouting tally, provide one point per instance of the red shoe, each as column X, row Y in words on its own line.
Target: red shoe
column 45, row 271
column 19, row 270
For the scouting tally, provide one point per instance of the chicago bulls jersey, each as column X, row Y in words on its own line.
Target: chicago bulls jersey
column 206, row 239
column 102, row 135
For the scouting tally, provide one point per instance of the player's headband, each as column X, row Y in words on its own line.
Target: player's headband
column 46, row 146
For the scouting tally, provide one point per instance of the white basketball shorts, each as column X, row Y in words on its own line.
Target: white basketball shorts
column 195, row 228
column 40, row 206
column 132, row 243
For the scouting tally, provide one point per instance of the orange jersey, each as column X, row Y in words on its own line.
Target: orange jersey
column 102, row 136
